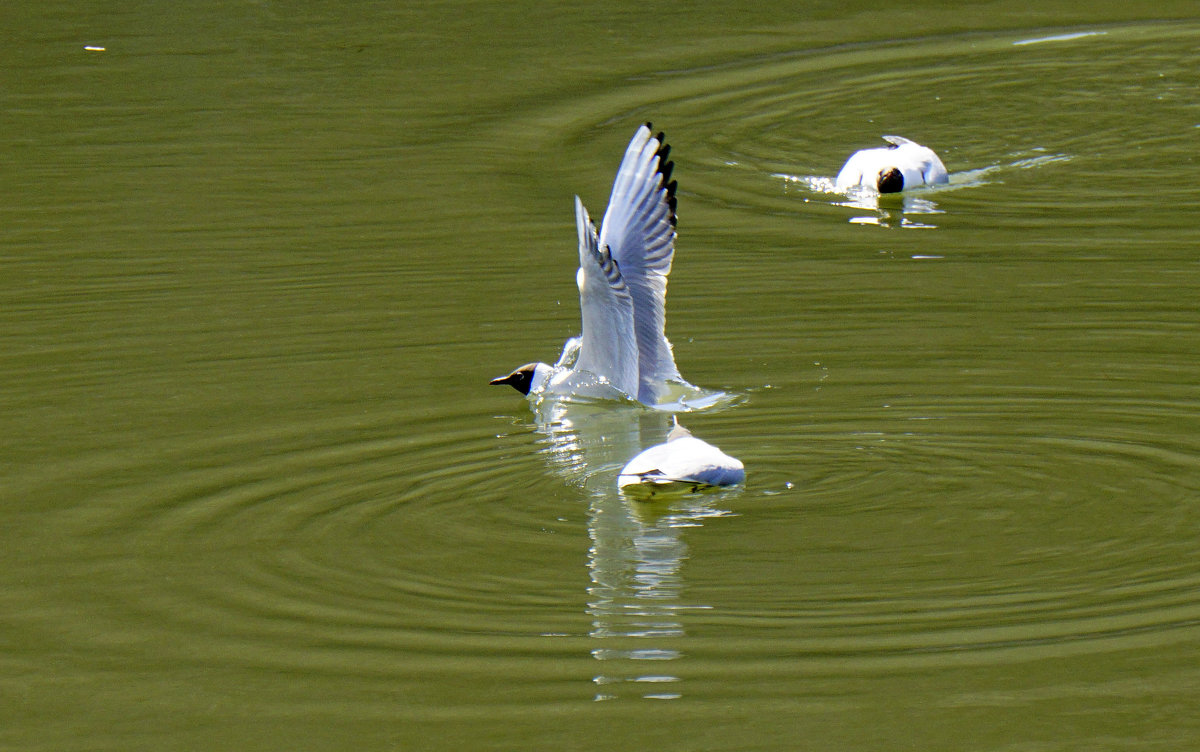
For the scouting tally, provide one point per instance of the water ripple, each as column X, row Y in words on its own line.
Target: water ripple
column 890, row 511
column 764, row 137
column 895, row 502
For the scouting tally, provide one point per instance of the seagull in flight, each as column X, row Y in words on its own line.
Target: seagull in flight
column 622, row 352
column 901, row 165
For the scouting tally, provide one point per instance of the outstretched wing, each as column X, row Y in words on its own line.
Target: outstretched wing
column 639, row 231
column 608, row 348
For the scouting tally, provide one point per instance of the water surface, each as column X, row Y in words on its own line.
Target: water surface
column 259, row 264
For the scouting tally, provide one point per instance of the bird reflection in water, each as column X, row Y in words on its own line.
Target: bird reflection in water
column 638, row 549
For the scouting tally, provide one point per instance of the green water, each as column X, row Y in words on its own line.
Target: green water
column 257, row 264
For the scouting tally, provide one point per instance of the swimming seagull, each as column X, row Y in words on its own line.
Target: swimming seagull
column 890, row 169
column 622, row 278
column 683, row 464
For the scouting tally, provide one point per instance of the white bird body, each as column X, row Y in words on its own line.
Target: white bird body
column 890, row 169
column 682, row 464
column 623, row 350
column 564, row 378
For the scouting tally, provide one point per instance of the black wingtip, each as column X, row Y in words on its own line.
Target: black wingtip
column 665, row 168
column 649, row 126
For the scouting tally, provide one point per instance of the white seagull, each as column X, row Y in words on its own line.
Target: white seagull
column 622, row 281
column 890, row 169
column 682, row 464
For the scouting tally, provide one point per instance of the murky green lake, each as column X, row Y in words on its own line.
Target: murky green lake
column 259, row 261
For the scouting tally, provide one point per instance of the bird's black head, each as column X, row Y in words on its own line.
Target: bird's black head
column 890, row 181
column 520, row 379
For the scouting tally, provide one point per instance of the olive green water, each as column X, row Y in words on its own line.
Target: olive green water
column 257, row 264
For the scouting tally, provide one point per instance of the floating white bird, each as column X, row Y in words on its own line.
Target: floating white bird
column 623, row 351
column 890, row 169
column 683, row 464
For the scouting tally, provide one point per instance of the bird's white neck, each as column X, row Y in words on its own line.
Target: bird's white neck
column 541, row 375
